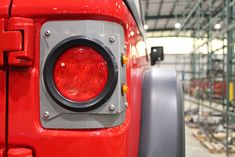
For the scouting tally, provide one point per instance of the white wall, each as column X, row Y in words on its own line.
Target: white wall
column 172, row 45
column 180, row 45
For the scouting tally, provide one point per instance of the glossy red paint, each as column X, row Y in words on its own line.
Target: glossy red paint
column 23, row 57
column 10, row 40
column 20, row 152
column 3, row 16
column 4, row 8
column 2, row 152
column 2, row 108
column 24, row 124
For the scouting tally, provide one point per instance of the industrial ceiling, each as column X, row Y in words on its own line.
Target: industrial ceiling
column 171, row 17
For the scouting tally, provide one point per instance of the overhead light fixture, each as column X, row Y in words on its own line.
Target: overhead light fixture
column 177, row 25
column 146, row 27
column 217, row 26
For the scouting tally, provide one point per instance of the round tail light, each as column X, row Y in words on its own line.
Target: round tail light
column 80, row 73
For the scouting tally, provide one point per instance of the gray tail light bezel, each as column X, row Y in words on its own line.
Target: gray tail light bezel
column 110, row 114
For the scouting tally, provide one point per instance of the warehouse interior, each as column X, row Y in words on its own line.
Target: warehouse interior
column 198, row 39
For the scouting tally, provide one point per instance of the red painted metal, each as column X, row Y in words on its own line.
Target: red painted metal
column 24, row 124
column 2, row 150
column 20, row 152
column 10, row 40
column 2, row 110
column 4, row 8
column 25, row 56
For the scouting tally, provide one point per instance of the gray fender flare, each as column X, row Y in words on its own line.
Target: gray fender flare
column 162, row 119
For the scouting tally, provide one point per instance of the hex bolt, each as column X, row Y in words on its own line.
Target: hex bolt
column 46, row 115
column 47, row 33
column 111, row 107
column 111, row 39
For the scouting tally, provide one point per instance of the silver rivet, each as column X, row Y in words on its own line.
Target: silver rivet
column 111, row 107
column 48, row 33
column 111, row 39
column 46, row 115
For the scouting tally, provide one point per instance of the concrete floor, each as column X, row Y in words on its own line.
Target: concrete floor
column 193, row 146
column 195, row 149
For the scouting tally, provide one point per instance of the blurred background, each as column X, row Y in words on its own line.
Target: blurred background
column 198, row 40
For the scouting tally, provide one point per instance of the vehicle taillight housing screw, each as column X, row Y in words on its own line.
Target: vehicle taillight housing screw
column 46, row 115
column 47, row 33
column 112, row 39
column 111, row 107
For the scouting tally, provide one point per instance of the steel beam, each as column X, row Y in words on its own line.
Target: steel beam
column 171, row 13
column 230, row 51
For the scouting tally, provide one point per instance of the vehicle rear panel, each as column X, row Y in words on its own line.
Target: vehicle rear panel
column 4, row 7
column 2, row 108
column 25, row 129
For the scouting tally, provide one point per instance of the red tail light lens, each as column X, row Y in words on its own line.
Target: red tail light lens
column 80, row 73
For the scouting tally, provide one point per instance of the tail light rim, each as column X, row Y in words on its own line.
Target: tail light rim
column 59, row 49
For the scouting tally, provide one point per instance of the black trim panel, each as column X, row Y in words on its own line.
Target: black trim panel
column 112, row 73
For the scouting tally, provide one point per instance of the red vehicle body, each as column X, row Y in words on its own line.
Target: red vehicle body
column 24, row 129
column 21, row 133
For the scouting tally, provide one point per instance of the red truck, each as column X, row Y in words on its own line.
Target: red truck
column 76, row 80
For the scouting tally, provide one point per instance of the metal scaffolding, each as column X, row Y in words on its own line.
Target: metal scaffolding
column 212, row 66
